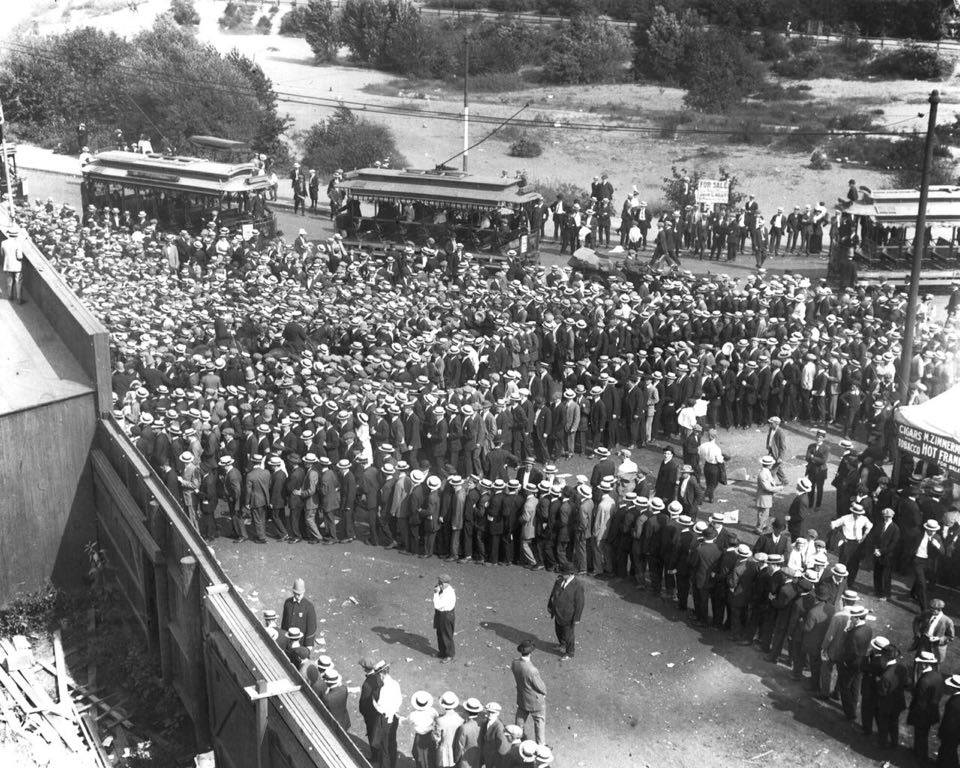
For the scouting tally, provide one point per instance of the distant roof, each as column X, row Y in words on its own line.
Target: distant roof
column 215, row 142
column 450, row 188
column 190, row 174
column 899, row 206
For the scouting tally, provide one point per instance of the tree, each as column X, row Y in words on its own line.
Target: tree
column 292, row 22
column 361, row 27
column 184, row 12
column 345, row 141
column 164, row 83
column 320, row 30
column 721, row 72
column 587, row 50
column 661, row 50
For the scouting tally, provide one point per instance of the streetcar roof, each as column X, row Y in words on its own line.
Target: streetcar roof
column 899, row 206
column 185, row 174
column 449, row 188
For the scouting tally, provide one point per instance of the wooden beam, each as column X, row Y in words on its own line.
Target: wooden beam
column 132, row 515
column 117, row 714
column 63, row 696
column 264, row 689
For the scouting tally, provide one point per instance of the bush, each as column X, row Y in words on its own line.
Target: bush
column 772, row 46
column 587, row 50
column 291, row 23
column 264, row 25
column 801, row 66
column 911, row 62
column 362, row 25
column 798, row 45
column 767, row 91
column 525, row 147
column 679, row 188
column 819, row 160
column 320, row 29
column 345, row 141
column 184, row 13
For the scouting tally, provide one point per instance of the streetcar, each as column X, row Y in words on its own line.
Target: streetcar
column 489, row 216
column 180, row 192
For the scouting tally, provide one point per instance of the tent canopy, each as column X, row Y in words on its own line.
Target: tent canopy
column 931, row 430
column 938, row 416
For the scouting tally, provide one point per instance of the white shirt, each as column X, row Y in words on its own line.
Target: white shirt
column 855, row 527
column 922, row 548
column 710, row 453
column 389, row 701
column 445, row 600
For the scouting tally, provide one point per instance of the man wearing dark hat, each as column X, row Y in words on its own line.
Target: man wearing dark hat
column 933, row 630
column 372, row 719
column 531, row 692
column 299, row 612
column 817, row 455
column 565, row 607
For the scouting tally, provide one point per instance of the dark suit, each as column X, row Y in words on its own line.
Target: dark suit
column 301, row 615
column 925, row 710
column 566, row 607
column 666, row 484
column 372, row 719
column 949, row 733
column 885, row 541
column 335, row 700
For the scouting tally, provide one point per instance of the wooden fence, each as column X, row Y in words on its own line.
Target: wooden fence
column 245, row 699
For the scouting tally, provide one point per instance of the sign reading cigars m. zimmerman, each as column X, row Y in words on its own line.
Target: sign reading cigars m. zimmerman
column 942, row 451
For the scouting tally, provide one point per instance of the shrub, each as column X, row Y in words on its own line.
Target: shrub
column 772, row 46
column 587, row 50
column 361, row 25
column 264, row 25
column 291, row 23
column 320, row 29
column 798, row 45
column 525, row 147
column 184, row 13
column 768, row 91
column 748, row 131
column 819, row 160
column 345, row 141
column 679, row 188
column 802, row 65
column 911, row 62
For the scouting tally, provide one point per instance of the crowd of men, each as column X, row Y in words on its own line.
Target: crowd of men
column 314, row 393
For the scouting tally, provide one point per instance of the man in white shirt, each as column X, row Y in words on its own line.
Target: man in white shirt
column 444, row 603
column 855, row 526
column 11, row 256
column 387, row 703
column 711, row 458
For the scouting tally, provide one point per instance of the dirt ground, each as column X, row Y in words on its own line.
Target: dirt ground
column 775, row 177
column 645, row 689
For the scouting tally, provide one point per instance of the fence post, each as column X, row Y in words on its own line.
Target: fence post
column 158, row 529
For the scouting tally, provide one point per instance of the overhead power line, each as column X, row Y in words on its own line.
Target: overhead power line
column 322, row 102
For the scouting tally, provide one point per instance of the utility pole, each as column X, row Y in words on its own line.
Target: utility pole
column 919, row 248
column 6, row 166
column 466, row 106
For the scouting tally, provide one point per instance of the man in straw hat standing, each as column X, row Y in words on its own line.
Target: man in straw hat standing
column 447, row 726
column 444, row 605
column 949, row 731
column 924, row 710
column 467, row 746
column 766, row 488
column 924, row 561
column 11, row 251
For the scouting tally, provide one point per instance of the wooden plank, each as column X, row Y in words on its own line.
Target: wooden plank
column 132, row 515
column 51, row 712
column 92, row 736
column 116, row 713
column 92, row 634
column 63, row 695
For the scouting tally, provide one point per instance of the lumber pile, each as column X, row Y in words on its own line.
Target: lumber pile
column 54, row 730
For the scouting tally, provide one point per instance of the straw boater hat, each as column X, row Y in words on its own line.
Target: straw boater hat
column 421, row 700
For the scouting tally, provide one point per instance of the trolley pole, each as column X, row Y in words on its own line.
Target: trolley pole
column 466, row 106
column 919, row 247
column 6, row 166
